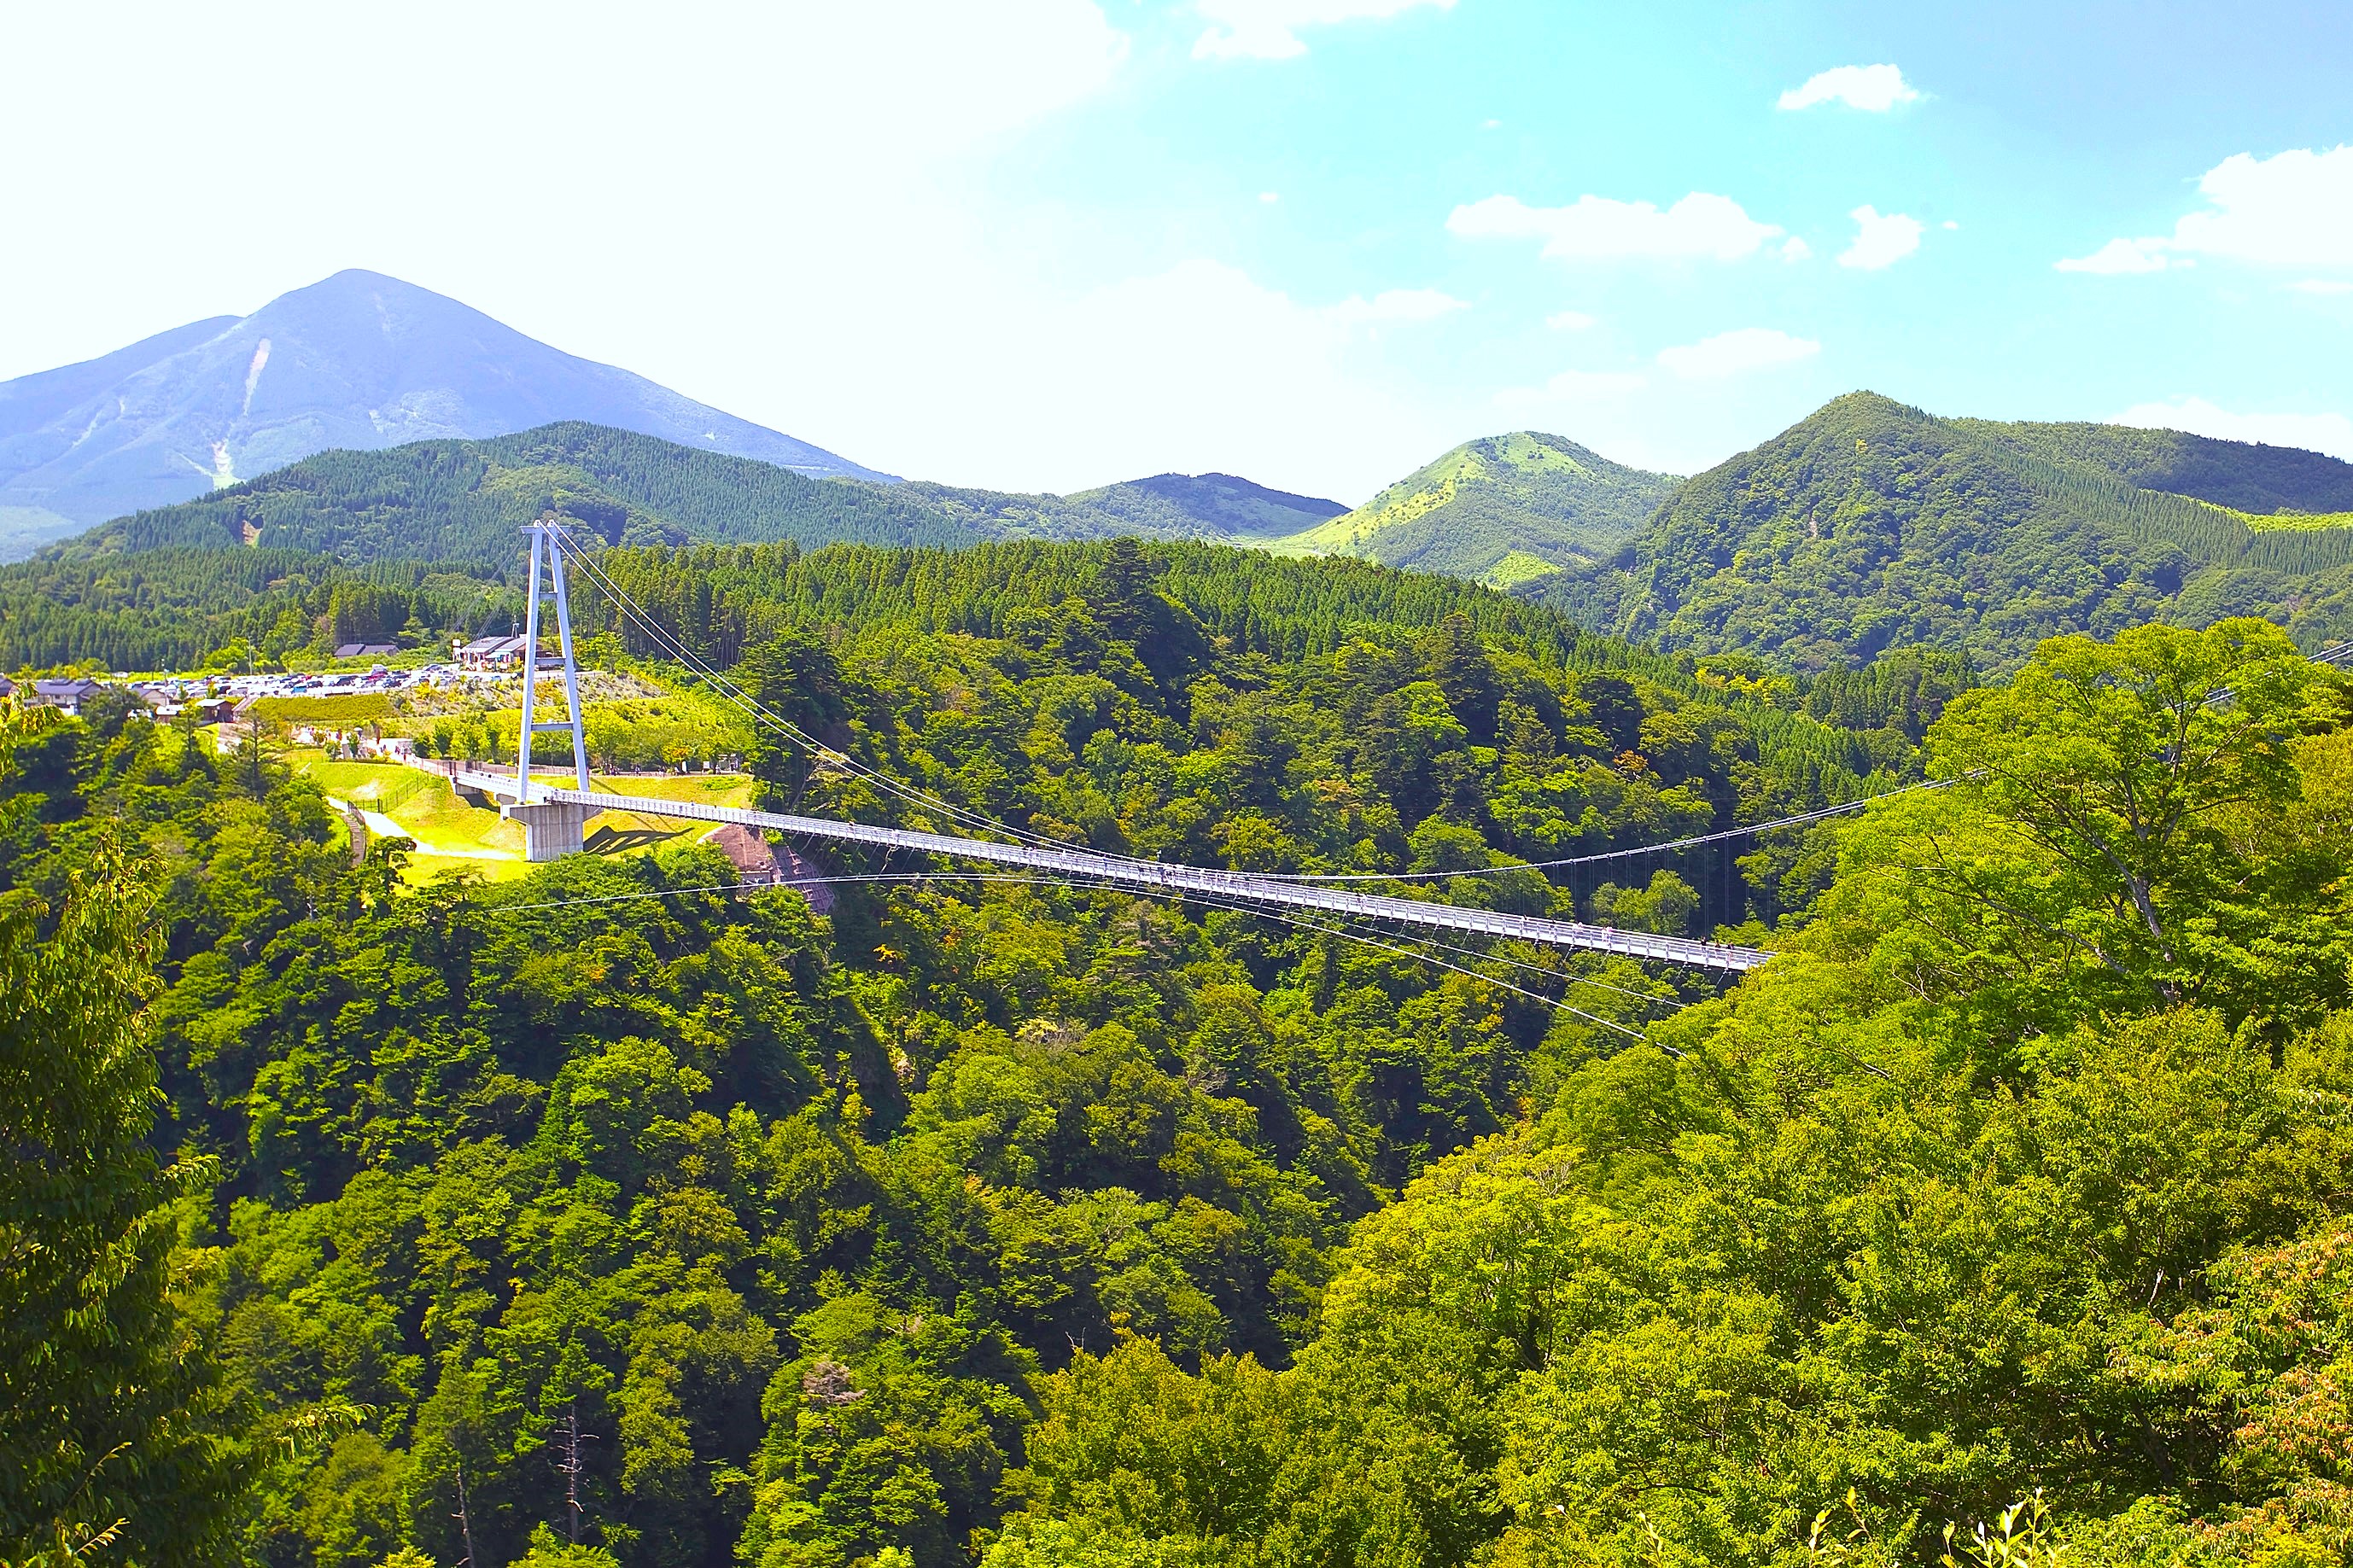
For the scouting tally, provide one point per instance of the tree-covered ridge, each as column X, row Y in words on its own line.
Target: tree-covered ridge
column 1036, row 1226
column 1870, row 525
column 1340, row 650
column 792, row 1216
column 2244, row 475
column 461, row 504
column 169, row 609
column 2019, row 1184
column 1177, row 505
column 1502, row 509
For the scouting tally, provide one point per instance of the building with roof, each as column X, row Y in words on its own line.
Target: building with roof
column 491, row 653
column 66, row 695
column 367, row 650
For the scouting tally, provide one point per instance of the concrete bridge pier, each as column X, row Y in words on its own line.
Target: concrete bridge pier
column 550, row 829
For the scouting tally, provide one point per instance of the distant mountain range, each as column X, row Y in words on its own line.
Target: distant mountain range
column 1503, row 509
column 358, row 362
column 1871, row 525
column 1867, row 525
column 462, row 502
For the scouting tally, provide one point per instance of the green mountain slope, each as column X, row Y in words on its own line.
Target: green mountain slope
column 2250, row 477
column 1503, row 509
column 1218, row 505
column 1871, row 525
column 462, row 502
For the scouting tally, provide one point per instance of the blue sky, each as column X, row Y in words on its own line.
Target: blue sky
column 1052, row 243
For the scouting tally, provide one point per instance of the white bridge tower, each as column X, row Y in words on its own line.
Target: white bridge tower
column 550, row 828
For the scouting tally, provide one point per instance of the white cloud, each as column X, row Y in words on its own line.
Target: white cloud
column 1952, row 224
column 2329, row 433
column 1268, row 29
column 1796, row 249
column 2293, row 209
column 2119, row 257
column 1881, row 241
column 1568, row 321
column 1596, row 228
column 1395, row 305
column 2324, row 286
column 1736, row 352
column 1270, row 197
column 1876, row 89
column 1574, row 386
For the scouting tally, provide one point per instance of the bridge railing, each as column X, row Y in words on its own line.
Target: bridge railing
column 1233, row 886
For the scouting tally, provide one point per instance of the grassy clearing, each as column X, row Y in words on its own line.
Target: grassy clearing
column 626, row 832
column 452, row 836
column 2296, row 521
column 427, row 806
column 702, row 789
column 379, row 786
column 1518, row 566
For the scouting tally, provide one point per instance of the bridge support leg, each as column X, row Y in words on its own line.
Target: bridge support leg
column 550, row 829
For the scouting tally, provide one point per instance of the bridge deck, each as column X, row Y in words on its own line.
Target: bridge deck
column 1227, row 885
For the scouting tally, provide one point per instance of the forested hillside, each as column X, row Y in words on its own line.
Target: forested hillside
column 1501, row 509
column 604, row 1218
column 172, row 609
column 2258, row 479
column 459, row 504
column 1177, row 505
column 1870, row 525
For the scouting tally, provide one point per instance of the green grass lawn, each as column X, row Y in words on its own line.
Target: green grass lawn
column 424, row 805
column 702, row 789
column 452, row 836
column 626, row 832
column 379, row 786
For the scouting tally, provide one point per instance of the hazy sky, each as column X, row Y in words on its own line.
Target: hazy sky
column 1047, row 244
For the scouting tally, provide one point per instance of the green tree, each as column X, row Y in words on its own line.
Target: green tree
column 2124, row 824
column 110, row 1417
column 1121, row 594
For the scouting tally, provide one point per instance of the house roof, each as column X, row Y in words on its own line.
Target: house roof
column 78, row 685
column 366, row 650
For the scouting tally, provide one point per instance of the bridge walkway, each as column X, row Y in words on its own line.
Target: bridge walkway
column 554, row 820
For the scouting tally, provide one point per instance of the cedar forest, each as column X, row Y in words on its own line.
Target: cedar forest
column 609, row 1216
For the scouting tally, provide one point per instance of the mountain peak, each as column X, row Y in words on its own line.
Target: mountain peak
column 1872, row 524
column 1503, row 508
column 1224, row 505
column 358, row 360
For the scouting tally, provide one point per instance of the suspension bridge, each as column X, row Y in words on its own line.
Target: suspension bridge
column 555, row 818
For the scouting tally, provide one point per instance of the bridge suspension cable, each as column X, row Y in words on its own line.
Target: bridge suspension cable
column 558, row 814
column 752, row 708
